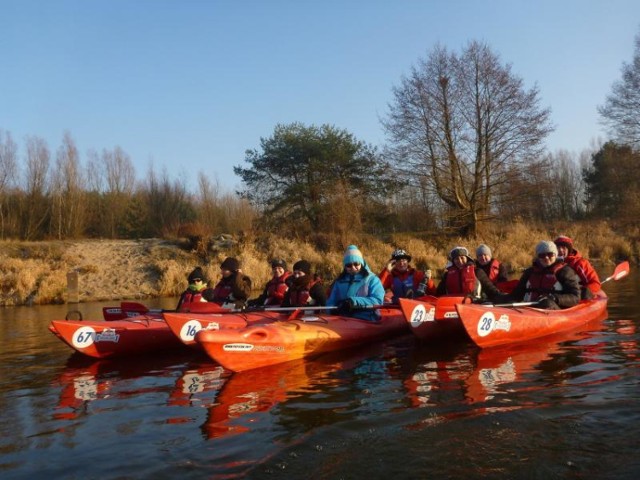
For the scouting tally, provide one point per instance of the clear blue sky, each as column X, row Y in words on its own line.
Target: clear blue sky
column 192, row 84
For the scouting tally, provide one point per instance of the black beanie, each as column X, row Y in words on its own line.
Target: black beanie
column 197, row 273
column 303, row 266
column 278, row 262
column 230, row 263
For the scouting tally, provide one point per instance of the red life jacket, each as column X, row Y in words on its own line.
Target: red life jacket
column 543, row 281
column 276, row 288
column 299, row 297
column 461, row 281
column 189, row 297
column 492, row 269
column 222, row 292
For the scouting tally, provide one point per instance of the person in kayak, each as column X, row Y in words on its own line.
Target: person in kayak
column 461, row 277
column 193, row 293
column 494, row 269
column 304, row 289
column 276, row 288
column 549, row 281
column 356, row 288
column 589, row 280
column 234, row 287
column 400, row 280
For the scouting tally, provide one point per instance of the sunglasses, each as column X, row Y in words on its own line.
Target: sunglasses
column 546, row 255
column 352, row 265
column 197, row 280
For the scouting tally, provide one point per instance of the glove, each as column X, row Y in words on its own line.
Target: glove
column 422, row 289
column 346, row 306
column 427, row 275
column 390, row 265
column 409, row 294
column 548, row 302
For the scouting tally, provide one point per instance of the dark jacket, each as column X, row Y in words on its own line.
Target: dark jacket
column 235, row 289
column 565, row 294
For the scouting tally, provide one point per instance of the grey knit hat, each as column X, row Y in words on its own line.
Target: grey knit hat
column 483, row 250
column 546, row 246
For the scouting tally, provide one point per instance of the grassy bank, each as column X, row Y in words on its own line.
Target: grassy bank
column 36, row 272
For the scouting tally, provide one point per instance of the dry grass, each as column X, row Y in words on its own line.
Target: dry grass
column 35, row 273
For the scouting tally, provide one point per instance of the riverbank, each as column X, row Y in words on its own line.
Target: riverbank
column 36, row 272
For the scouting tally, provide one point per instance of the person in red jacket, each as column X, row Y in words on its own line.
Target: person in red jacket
column 274, row 291
column 495, row 270
column 400, row 280
column 589, row 280
column 234, row 287
column 193, row 293
column 461, row 277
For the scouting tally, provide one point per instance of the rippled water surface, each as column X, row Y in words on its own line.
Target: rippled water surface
column 566, row 407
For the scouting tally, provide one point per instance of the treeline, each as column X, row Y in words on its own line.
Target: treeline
column 466, row 148
column 64, row 196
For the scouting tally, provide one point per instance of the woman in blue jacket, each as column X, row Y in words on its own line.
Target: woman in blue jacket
column 356, row 288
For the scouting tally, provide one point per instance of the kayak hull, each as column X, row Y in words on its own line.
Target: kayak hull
column 268, row 344
column 489, row 326
column 115, row 338
column 185, row 325
column 433, row 318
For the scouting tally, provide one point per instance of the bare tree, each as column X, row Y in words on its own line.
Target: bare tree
column 8, row 170
column 621, row 111
column 35, row 206
column 67, row 191
column 457, row 126
column 120, row 178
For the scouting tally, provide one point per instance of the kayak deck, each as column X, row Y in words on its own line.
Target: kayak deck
column 276, row 342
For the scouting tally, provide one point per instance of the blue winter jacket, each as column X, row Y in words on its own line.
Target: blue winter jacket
column 364, row 289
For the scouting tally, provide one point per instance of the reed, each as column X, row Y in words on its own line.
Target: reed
column 35, row 272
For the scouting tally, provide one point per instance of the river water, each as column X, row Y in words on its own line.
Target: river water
column 559, row 408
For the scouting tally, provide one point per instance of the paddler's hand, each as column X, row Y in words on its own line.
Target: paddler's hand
column 346, row 306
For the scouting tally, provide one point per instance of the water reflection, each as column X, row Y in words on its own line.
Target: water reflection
column 395, row 408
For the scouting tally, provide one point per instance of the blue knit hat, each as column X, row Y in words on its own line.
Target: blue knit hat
column 352, row 255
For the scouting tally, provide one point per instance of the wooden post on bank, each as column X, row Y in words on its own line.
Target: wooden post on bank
column 73, row 295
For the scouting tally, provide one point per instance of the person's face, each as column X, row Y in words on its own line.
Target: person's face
column 197, row 281
column 353, row 268
column 298, row 273
column 460, row 261
column 546, row 259
column 277, row 271
column 484, row 259
column 563, row 251
column 402, row 264
column 226, row 273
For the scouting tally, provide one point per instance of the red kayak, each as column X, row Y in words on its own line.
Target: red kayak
column 134, row 309
column 436, row 318
column 115, row 338
column 433, row 318
column 489, row 325
column 310, row 335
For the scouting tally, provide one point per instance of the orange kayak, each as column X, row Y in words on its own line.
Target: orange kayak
column 115, row 338
column 489, row 326
column 433, row 318
column 310, row 335
column 186, row 325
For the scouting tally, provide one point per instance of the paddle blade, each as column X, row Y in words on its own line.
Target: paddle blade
column 622, row 270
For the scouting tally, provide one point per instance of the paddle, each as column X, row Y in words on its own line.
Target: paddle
column 622, row 270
